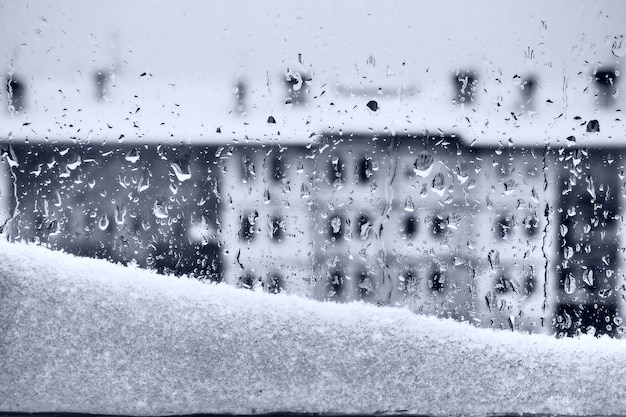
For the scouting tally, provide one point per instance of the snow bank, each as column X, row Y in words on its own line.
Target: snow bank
column 82, row 335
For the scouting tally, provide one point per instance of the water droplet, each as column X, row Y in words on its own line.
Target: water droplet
column 181, row 170
column 173, row 188
column 408, row 205
column 120, row 214
column 103, row 223
column 593, row 126
column 10, row 156
column 563, row 230
column 591, row 189
column 569, row 284
column 160, row 210
column 588, row 277
column 305, row 193
column 364, row 231
column 568, row 252
column 438, row 184
column 335, row 223
column 618, row 48
column 74, row 162
column 423, row 164
column 372, row 105
column 462, row 172
column 494, row 259
column 132, row 156
column 144, row 182
column 509, row 187
column 454, row 221
column 534, row 195
column 266, row 196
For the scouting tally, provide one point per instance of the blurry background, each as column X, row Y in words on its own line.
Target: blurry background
column 462, row 160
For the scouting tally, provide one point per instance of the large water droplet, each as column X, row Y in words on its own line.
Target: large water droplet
column 462, row 172
column 494, row 259
column 408, row 205
column 144, row 182
column 10, row 156
column 305, row 193
column 103, row 223
column 74, row 162
column 569, row 284
column 438, row 184
column 132, row 156
column 160, row 210
column 335, row 223
column 120, row 214
column 181, row 170
column 423, row 164
column 588, row 277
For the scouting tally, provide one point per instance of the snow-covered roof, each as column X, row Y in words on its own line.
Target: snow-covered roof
column 82, row 335
column 171, row 76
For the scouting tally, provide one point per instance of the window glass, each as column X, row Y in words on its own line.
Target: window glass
column 432, row 157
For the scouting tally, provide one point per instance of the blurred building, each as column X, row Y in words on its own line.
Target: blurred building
column 476, row 177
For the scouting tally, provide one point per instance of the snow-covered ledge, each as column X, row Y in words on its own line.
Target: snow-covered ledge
column 83, row 335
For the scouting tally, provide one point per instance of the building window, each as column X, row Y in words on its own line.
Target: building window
column 503, row 227
column 437, row 280
column 465, row 87
column 277, row 168
column 363, row 227
column 274, row 283
column 277, row 228
column 335, row 228
column 336, row 171
column 409, row 229
column 247, row 226
column 364, row 170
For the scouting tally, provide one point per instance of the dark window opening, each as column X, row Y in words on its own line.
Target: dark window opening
column 530, row 282
column 605, row 80
column 437, row 280
column 410, row 281
column 246, row 230
column 277, row 168
column 240, row 91
column 336, row 174
column 504, row 284
column 365, row 284
column 277, row 229
column 101, row 80
column 16, row 92
column 363, row 227
column 247, row 281
column 438, row 226
column 503, row 227
column 296, row 87
column 364, row 170
column 248, row 172
column 410, row 227
column 274, row 283
column 596, row 318
column 336, row 285
column 465, row 86
column 335, row 228
column 531, row 225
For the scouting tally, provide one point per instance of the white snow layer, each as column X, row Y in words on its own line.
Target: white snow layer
column 83, row 335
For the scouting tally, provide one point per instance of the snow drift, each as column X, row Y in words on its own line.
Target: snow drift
column 83, row 335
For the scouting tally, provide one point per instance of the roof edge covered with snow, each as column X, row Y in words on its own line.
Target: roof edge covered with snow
column 83, row 335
